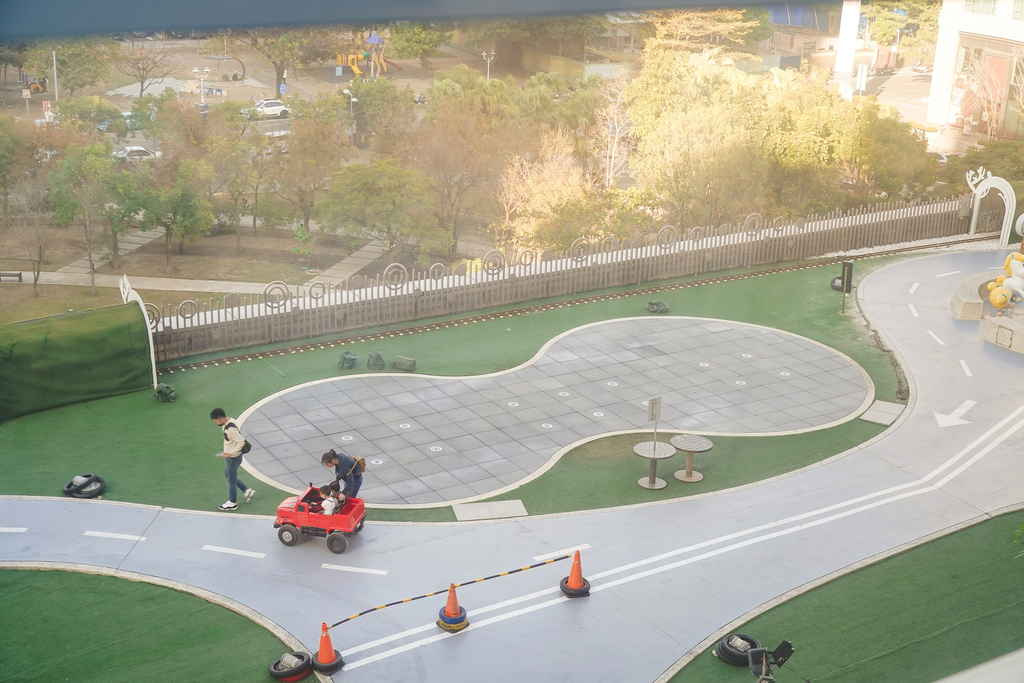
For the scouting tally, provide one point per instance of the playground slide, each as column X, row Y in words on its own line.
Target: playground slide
column 397, row 66
column 353, row 63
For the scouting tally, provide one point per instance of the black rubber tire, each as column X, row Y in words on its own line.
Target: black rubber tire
column 288, row 534
column 730, row 655
column 283, row 115
column 303, row 666
column 574, row 592
column 337, row 542
column 71, row 487
column 98, row 486
column 330, row 667
column 359, row 527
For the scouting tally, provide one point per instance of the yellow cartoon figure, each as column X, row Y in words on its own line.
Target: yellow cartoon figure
column 998, row 295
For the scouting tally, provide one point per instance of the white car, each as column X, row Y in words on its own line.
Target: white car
column 266, row 109
column 136, row 153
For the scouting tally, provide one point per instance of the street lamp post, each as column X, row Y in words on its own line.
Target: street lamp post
column 202, row 76
column 351, row 109
column 487, row 58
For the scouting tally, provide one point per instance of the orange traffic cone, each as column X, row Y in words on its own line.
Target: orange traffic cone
column 327, row 660
column 452, row 617
column 574, row 585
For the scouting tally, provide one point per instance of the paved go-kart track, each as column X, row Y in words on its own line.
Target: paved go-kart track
column 664, row 577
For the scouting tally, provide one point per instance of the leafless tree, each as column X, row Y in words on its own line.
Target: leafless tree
column 31, row 215
column 147, row 67
column 610, row 141
column 987, row 87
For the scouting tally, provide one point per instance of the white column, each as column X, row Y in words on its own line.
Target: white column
column 847, row 47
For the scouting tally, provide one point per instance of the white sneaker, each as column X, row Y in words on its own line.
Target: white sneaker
column 228, row 505
column 249, row 494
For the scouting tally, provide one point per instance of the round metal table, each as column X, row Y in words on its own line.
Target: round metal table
column 690, row 444
column 653, row 451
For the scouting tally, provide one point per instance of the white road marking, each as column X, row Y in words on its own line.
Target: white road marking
column 936, row 338
column 913, row 311
column 955, row 417
column 952, row 272
column 123, row 537
column 560, row 553
column 232, row 551
column 913, row 287
column 13, row 529
column 357, row 570
column 967, row 370
column 919, row 487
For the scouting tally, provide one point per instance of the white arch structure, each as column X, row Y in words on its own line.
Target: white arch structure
column 981, row 182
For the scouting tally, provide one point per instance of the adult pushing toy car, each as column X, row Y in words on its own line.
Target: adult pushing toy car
column 301, row 515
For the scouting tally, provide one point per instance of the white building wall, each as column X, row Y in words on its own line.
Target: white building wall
column 954, row 20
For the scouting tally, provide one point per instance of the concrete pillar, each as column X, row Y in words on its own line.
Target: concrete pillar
column 846, row 48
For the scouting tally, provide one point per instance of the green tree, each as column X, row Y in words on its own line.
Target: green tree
column 457, row 150
column 281, row 47
column 320, row 44
column 382, row 200
column 91, row 115
column 385, row 112
column 11, row 54
column 79, row 192
column 125, row 201
column 81, row 63
column 581, row 27
column 419, row 40
column 316, row 151
column 695, row 30
column 16, row 158
column 176, row 198
column 501, row 36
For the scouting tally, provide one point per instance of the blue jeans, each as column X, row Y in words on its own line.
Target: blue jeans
column 352, row 485
column 231, row 466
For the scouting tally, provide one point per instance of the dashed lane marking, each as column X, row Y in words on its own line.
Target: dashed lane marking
column 232, row 551
column 107, row 534
column 357, row 570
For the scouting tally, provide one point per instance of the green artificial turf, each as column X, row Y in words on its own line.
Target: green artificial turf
column 914, row 618
column 162, row 453
column 65, row 626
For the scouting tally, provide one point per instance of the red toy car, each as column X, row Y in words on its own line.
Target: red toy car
column 300, row 515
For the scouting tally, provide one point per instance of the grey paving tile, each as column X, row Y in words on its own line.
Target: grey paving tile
column 423, row 467
column 407, row 456
column 486, row 485
column 423, row 498
column 391, row 475
column 409, row 487
column 470, row 473
column 440, row 480
column 501, row 466
column 456, row 492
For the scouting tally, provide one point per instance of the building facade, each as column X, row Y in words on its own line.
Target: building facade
column 978, row 76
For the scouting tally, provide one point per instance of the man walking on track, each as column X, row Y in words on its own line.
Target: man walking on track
column 234, row 446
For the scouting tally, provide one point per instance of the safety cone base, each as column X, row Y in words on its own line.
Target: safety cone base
column 327, row 667
column 456, row 623
column 580, row 592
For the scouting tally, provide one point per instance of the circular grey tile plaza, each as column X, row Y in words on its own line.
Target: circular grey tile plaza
column 437, row 440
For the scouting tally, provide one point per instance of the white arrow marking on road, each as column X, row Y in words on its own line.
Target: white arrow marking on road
column 13, row 529
column 953, row 418
column 935, row 337
column 358, row 570
column 913, row 288
column 913, row 311
column 967, row 370
column 560, row 553
column 952, row 272
column 232, row 551
column 106, row 534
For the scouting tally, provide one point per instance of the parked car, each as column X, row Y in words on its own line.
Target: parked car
column 266, row 109
column 135, row 153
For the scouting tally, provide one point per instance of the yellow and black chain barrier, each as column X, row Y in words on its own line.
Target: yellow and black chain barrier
column 447, row 588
